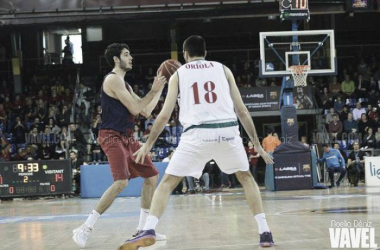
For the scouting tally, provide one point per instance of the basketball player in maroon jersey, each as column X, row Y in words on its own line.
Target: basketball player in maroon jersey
column 119, row 106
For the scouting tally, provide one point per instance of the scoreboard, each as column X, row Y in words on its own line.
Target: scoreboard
column 294, row 10
column 35, row 178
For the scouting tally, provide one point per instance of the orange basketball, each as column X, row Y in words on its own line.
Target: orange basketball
column 168, row 68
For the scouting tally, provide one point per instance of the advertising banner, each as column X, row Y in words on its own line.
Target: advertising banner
column 372, row 171
column 292, row 171
column 267, row 98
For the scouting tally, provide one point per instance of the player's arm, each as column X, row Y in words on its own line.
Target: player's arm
column 164, row 116
column 116, row 85
column 244, row 116
column 147, row 111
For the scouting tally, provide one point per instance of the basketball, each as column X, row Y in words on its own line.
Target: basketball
column 168, row 68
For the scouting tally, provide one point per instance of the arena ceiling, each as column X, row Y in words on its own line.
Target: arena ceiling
column 20, row 12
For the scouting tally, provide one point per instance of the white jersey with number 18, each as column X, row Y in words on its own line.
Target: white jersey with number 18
column 204, row 94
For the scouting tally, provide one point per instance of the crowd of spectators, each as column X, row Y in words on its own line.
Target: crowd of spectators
column 57, row 117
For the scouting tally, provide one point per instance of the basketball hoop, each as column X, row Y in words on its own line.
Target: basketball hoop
column 299, row 73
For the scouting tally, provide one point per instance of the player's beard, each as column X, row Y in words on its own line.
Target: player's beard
column 124, row 67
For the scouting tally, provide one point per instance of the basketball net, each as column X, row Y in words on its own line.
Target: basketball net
column 299, row 73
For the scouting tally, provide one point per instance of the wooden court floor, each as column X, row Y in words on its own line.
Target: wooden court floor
column 220, row 220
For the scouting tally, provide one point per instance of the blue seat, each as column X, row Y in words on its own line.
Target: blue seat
column 363, row 101
column 163, row 152
column 351, row 102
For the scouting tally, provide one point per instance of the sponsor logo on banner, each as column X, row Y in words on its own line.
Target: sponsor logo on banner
column 290, row 121
column 306, row 167
column 288, row 169
column 261, row 96
column 352, row 234
column 273, row 95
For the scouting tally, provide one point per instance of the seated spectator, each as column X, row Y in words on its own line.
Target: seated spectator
column 8, row 105
column 339, row 104
column 149, row 76
column 376, row 123
column 64, row 117
column 53, row 127
column 377, row 139
column 334, row 162
column 356, row 163
column 45, row 152
column 67, row 97
column 358, row 111
column 137, row 133
column 343, row 115
column 30, row 111
column 97, row 152
column 369, row 139
column 77, row 140
column 5, row 147
column 18, row 130
column 329, row 116
column 362, row 87
column 147, row 131
column 334, row 87
column 326, row 99
column 261, row 82
column 364, row 124
column 96, row 125
column 348, row 87
column 372, row 113
column 3, row 115
column 64, row 139
column 152, row 154
column 363, row 69
column 304, row 141
column 18, row 105
column 42, row 111
column 350, row 126
column 373, row 97
column 38, row 124
column 335, row 127
column 98, row 111
column 75, row 164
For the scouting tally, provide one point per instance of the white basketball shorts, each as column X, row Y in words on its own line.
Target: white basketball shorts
column 200, row 145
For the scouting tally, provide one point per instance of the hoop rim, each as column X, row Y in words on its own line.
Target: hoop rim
column 299, row 69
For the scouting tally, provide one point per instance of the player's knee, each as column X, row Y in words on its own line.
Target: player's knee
column 121, row 184
column 151, row 181
column 243, row 176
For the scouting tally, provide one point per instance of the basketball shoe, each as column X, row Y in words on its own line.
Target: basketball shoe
column 159, row 237
column 81, row 234
column 266, row 239
column 144, row 239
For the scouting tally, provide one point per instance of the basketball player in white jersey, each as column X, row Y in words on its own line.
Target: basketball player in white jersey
column 210, row 104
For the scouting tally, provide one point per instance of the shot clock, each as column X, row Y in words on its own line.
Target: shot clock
column 35, row 178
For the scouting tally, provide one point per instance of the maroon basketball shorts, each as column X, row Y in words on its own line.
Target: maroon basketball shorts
column 119, row 149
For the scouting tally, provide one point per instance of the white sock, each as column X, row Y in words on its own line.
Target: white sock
column 92, row 218
column 143, row 216
column 262, row 223
column 151, row 222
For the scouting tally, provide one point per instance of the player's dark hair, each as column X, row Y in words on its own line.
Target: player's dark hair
column 114, row 50
column 325, row 145
column 195, row 46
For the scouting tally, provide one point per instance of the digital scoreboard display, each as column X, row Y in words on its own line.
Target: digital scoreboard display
column 35, row 178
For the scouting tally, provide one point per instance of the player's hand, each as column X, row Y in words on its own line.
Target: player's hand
column 141, row 153
column 266, row 157
column 159, row 83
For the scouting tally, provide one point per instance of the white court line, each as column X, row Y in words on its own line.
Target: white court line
column 277, row 243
